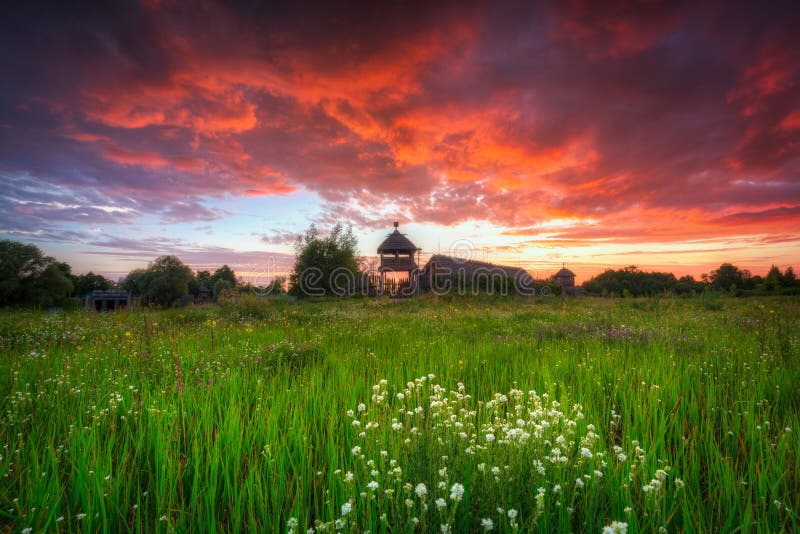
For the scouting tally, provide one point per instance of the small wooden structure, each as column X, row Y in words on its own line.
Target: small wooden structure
column 397, row 255
column 204, row 295
column 564, row 277
column 107, row 300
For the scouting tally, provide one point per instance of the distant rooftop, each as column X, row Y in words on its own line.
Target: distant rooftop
column 563, row 273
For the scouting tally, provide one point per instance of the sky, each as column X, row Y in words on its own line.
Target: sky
column 659, row 134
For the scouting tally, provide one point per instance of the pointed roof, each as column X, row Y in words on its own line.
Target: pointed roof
column 563, row 273
column 396, row 242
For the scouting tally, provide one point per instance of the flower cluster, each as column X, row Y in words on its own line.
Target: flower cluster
column 429, row 457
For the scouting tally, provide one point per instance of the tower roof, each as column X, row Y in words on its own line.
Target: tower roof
column 563, row 273
column 396, row 242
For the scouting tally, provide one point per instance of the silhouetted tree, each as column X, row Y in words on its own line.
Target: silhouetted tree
column 630, row 281
column 789, row 278
column 773, row 282
column 28, row 277
column 728, row 277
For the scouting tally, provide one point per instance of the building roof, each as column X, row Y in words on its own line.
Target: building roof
column 471, row 268
column 396, row 242
column 108, row 293
column 563, row 273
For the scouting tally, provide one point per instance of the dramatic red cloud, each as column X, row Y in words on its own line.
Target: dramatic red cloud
column 661, row 122
column 619, row 28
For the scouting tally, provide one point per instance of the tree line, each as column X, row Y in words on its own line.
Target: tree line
column 727, row 278
column 30, row 278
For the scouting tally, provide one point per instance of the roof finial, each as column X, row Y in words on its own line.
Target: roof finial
column 396, row 224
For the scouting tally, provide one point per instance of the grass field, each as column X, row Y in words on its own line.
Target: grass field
column 459, row 414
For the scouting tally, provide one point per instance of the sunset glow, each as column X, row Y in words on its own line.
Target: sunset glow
column 665, row 136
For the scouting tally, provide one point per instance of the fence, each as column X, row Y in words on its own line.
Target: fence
column 394, row 285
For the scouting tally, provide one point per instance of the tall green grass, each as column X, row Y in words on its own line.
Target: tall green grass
column 235, row 418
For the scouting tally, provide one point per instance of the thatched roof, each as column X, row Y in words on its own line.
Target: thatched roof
column 470, row 268
column 396, row 242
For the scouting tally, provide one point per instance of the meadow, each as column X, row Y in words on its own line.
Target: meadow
column 431, row 414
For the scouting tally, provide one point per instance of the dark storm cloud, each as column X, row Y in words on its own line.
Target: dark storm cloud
column 506, row 112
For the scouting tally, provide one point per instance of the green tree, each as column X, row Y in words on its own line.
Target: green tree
column 201, row 279
column 221, row 285
column 325, row 265
column 224, row 273
column 164, row 281
column 28, row 277
column 135, row 282
column 86, row 283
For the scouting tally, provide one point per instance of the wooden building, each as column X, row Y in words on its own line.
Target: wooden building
column 107, row 300
column 564, row 277
column 397, row 255
column 471, row 272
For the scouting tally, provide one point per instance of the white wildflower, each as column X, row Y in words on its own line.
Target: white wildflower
column 347, row 507
column 616, row 527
